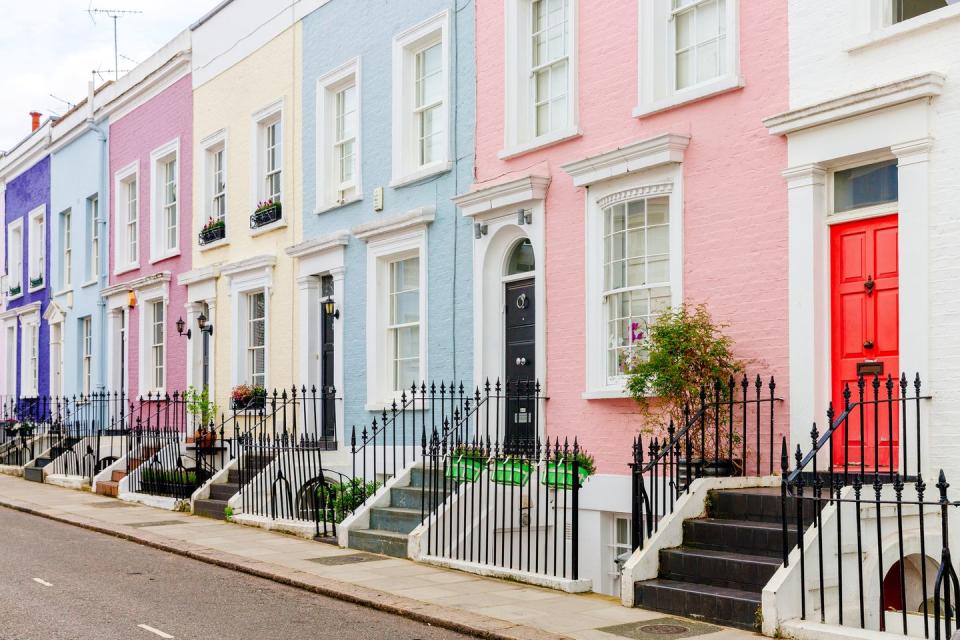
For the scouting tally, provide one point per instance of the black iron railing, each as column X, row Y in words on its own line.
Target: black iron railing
column 514, row 507
column 265, row 215
column 730, row 432
column 212, row 233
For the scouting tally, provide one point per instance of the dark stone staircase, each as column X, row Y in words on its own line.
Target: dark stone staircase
column 391, row 526
column 34, row 471
column 726, row 559
column 220, row 493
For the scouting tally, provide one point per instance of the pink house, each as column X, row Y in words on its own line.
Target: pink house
column 150, row 169
column 622, row 167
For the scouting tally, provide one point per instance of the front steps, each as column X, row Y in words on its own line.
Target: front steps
column 111, row 487
column 390, row 526
column 34, row 471
column 215, row 505
column 725, row 560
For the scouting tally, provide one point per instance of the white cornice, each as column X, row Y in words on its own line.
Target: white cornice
column 418, row 217
column 318, row 245
column 502, row 195
column 639, row 156
column 137, row 284
column 26, row 154
column 918, row 87
column 25, row 310
column 232, row 269
column 196, row 276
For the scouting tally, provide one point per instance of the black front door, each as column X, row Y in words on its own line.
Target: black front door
column 328, row 389
column 520, row 365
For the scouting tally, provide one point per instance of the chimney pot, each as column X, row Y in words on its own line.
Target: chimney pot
column 34, row 120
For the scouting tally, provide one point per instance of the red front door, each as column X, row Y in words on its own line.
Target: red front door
column 864, row 309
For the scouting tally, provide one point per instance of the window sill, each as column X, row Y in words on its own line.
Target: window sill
column 166, row 256
column 337, row 205
column 608, row 393
column 885, row 34
column 16, row 297
column 539, row 143
column 267, row 228
column 714, row 88
column 37, row 288
column 216, row 244
column 422, row 173
column 89, row 283
column 127, row 269
column 62, row 292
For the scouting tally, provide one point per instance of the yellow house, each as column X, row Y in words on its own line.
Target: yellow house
column 247, row 200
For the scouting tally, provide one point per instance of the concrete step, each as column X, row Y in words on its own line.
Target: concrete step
column 223, row 491
column 395, row 519
column 389, row 543
column 108, row 488
column 210, row 508
column 415, row 497
column 752, row 538
column 717, row 568
column 420, row 477
column 757, row 504
column 33, row 474
column 729, row 607
column 117, row 475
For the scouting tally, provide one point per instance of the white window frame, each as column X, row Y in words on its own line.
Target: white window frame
column 15, row 242
column 146, row 369
column 160, row 248
column 240, row 292
column 405, row 155
column 30, row 354
column 328, row 86
column 380, row 253
column 656, row 182
column 520, row 124
column 93, row 238
column 212, row 145
column 86, row 355
column 66, row 248
column 247, row 346
column 656, row 83
column 873, row 22
column 10, row 359
column 37, row 249
column 262, row 119
column 123, row 261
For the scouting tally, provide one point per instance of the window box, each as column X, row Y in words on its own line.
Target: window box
column 15, row 291
column 510, row 471
column 465, row 468
column 266, row 213
column 247, row 398
column 560, row 474
column 212, row 232
column 36, row 282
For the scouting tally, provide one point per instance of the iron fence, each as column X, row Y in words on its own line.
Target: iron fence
column 513, row 506
column 733, row 420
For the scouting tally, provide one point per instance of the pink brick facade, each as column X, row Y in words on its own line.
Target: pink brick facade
column 734, row 207
column 155, row 123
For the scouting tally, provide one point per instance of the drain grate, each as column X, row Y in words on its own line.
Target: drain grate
column 660, row 629
column 346, row 558
column 154, row 523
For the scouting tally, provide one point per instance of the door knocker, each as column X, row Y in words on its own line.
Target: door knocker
column 869, row 285
column 522, row 301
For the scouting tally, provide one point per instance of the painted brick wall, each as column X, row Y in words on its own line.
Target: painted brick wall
column 735, row 211
column 25, row 193
column 161, row 119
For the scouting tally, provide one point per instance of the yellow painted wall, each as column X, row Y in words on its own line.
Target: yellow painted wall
column 229, row 102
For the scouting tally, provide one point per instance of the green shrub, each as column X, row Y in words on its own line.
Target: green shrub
column 340, row 499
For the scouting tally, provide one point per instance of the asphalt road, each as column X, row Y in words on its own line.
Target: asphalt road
column 62, row 582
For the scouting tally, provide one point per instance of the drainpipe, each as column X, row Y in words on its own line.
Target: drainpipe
column 104, row 249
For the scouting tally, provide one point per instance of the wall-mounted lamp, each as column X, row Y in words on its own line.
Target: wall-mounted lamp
column 180, row 325
column 202, row 324
column 330, row 308
column 479, row 230
column 131, row 298
column 524, row 217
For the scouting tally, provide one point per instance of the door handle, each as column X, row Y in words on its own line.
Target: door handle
column 868, row 344
column 521, row 362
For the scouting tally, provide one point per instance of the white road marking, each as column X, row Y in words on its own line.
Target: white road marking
column 146, row 627
column 43, row 582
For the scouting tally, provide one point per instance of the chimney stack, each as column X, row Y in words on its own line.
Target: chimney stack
column 34, row 120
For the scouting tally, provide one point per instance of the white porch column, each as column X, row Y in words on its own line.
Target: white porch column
column 339, row 295
column 809, row 347
column 308, row 288
column 913, row 159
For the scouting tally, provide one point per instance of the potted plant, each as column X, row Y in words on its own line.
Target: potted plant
column 204, row 412
column 467, row 463
column 15, row 291
column 559, row 473
column 214, row 229
column 36, row 282
column 515, row 471
column 245, row 397
column 685, row 352
column 265, row 213
column 10, row 426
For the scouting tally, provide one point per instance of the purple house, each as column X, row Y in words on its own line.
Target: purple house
column 25, row 342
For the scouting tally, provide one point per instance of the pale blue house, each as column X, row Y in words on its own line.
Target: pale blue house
column 388, row 139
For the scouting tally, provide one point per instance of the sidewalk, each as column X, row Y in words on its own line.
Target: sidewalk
column 459, row 601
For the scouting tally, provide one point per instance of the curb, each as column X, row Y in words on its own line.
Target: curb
column 464, row 622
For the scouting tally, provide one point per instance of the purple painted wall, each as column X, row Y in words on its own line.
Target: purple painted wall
column 25, row 193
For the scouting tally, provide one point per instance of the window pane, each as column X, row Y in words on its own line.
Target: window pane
column 906, row 9
column 522, row 259
column 865, row 186
column 685, row 27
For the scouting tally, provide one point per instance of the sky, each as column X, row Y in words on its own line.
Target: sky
column 52, row 46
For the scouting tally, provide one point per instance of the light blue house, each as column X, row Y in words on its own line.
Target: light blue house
column 79, row 242
column 388, row 139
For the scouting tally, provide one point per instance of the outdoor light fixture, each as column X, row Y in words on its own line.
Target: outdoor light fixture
column 523, row 217
column 180, row 325
column 131, row 298
column 202, row 324
column 479, row 230
column 330, row 309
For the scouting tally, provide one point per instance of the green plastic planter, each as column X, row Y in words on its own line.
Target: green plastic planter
column 560, row 474
column 515, row 472
column 465, row 469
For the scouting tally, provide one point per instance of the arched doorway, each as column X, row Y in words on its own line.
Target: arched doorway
column 520, row 345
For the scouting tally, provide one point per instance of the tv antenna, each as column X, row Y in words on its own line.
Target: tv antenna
column 69, row 104
column 115, row 14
